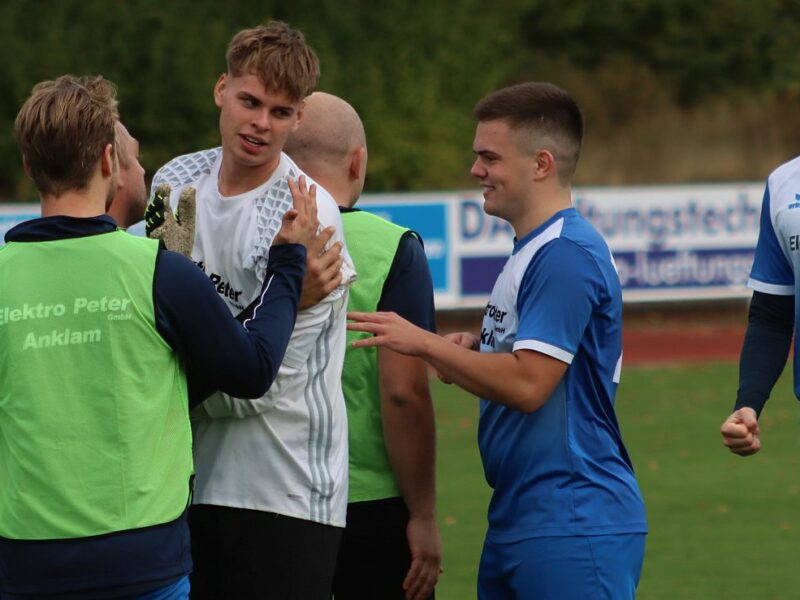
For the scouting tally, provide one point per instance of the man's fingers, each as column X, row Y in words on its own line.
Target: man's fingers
column 328, row 271
column 312, row 208
column 303, row 198
column 411, row 582
column 421, row 579
column 363, row 326
column 365, row 317
column 747, row 450
column 318, row 244
column 330, row 257
column 332, row 283
column 367, row 342
column 752, row 449
column 734, row 429
column 739, row 442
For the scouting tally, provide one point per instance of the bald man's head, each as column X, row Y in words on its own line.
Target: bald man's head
column 328, row 140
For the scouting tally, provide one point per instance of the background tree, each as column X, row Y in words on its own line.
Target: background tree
column 672, row 90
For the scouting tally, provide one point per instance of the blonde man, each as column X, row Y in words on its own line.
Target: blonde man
column 271, row 488
column 97, row 328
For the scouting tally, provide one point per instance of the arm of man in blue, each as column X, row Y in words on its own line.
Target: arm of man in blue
column 771, row 321
column 765, row 350
column 764, row 353
column 221, row 353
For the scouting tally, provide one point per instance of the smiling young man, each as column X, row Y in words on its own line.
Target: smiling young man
column 566, row 519
column 271, row 487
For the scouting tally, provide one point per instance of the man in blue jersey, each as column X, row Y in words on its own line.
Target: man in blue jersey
column 566, row 519
column 773, row 309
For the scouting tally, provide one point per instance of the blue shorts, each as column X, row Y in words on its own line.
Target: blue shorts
column 562, row 568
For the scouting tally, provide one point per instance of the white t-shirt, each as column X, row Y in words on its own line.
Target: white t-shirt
column 287, row 451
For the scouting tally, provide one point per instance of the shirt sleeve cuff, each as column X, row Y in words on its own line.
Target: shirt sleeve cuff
column 548, row 349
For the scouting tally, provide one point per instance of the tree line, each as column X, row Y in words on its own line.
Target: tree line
column 717, row 79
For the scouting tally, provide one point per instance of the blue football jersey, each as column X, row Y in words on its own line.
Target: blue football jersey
column 563, row 469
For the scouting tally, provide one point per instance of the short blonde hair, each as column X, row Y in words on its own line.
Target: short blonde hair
column 278, row 56
column 63, row 128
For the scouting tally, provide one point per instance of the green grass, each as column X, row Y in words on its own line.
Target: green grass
column 720, row 526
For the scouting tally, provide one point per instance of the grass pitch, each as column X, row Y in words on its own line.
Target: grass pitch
column 720, row 526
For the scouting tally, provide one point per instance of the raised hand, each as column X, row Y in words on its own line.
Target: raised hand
column 390, row 330
column 176, row 231
column 299, row 224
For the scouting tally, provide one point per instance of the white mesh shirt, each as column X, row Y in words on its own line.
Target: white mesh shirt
column 287, row 451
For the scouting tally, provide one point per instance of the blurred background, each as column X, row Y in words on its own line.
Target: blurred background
column 673, row 92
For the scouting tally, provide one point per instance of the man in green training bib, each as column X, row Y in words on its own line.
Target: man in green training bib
column 98, row 330
column 390, row 547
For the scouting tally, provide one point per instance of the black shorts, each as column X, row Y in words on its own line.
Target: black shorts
column 241, row 554
column 374, row 558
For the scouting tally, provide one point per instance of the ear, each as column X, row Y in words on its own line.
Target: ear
column 108, row 161
column 358, row 163
column 219, row 90
column 26, row 166
column 544, row 165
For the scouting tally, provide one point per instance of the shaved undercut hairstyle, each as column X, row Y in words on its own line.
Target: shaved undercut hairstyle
column 278, row 56
column 63, row 128
column 544, row 117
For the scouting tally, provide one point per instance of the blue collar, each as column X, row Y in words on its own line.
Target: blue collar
column 60, row 227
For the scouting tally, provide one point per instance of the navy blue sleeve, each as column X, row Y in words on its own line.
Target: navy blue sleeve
column 408, row 289
column 219, row 352
column 765, row 349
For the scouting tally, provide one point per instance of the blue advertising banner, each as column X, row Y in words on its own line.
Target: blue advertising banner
column 12, row 214
column 668, row 242
column 430, row 221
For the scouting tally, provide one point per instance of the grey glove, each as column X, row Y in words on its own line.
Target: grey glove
column 176, row 231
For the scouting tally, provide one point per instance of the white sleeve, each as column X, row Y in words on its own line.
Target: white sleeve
column 328, row 214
